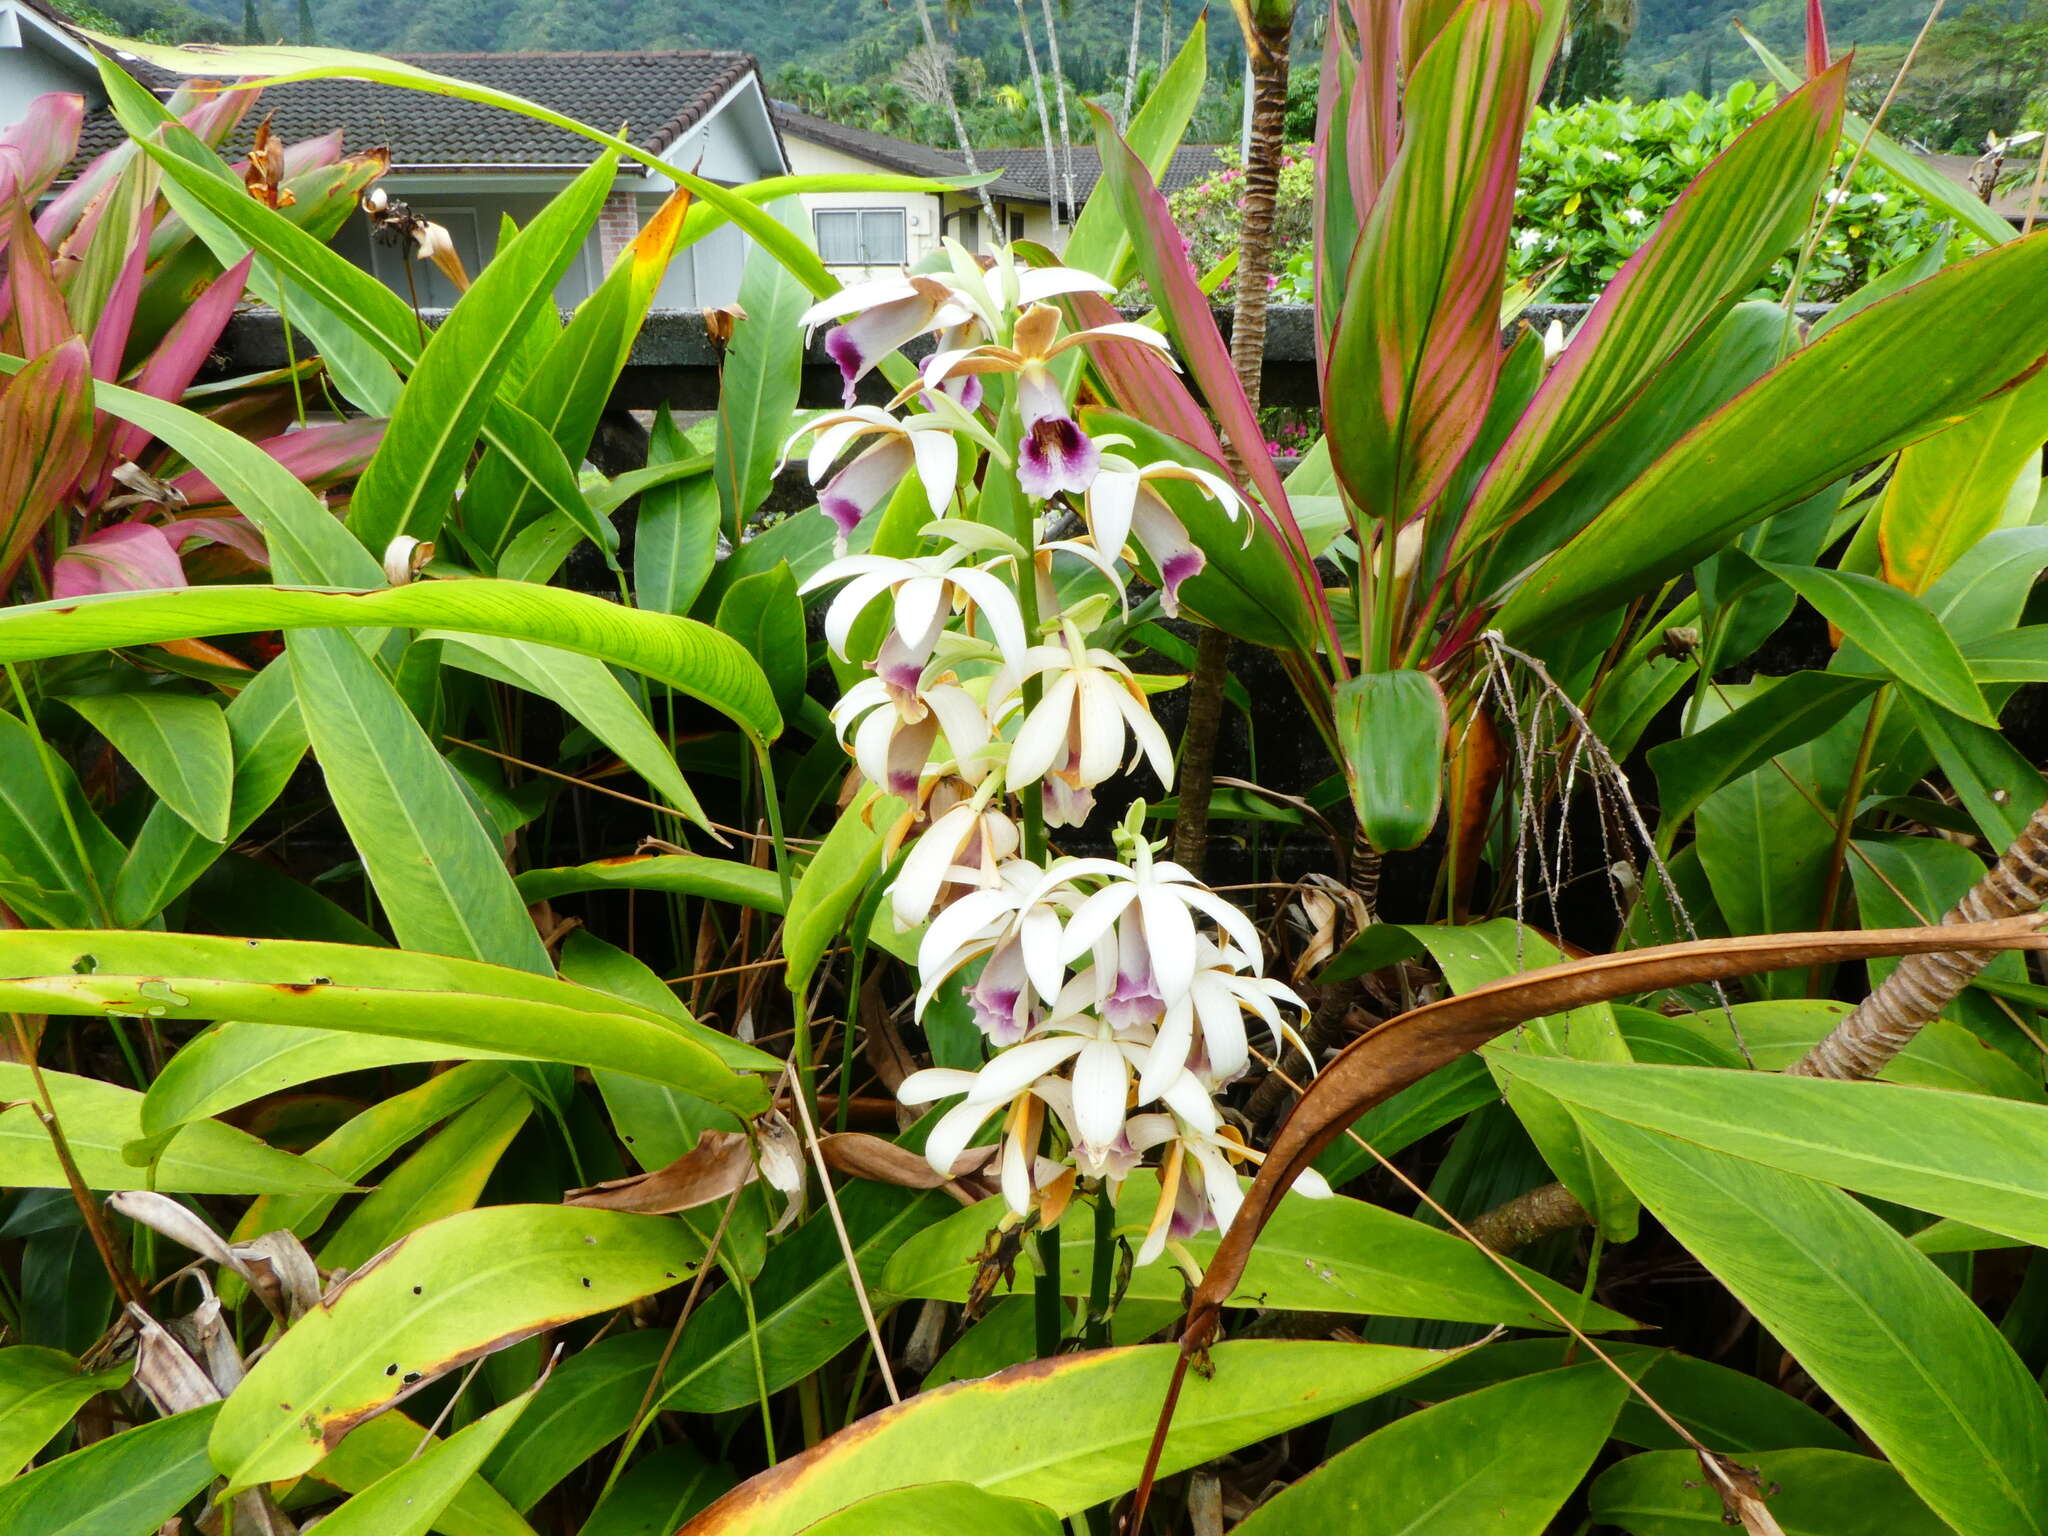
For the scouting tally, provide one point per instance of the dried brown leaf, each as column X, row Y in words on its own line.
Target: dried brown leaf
column 719, row 1164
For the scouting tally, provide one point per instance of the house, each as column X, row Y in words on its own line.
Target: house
column 870, row 233
column 468, row 166
column 864, row 234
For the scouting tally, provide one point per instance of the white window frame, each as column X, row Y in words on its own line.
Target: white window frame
column 865, row 258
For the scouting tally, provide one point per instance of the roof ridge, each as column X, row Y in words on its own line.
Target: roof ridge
column 581, row 53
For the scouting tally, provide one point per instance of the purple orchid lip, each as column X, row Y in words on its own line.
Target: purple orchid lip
column 1056, row 455
column 844, row 350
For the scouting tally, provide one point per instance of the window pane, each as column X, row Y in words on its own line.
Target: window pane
column 882, row 238
column 839, row 238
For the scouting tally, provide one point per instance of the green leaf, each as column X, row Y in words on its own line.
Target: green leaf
column 2014, row 656
column 378, row 1447
column 1819, row 1493
column 1731, row 1411
column 1950, row 490
column 356, row 1148
column 587, row 1402
column 444, row 1176
column 1500, row 1460
column 1066, row 1433
column 1959, row 1155
column 764, row 615
column 409, row 484
column 1996, row 782
column 99, row 1120
column 833, row 882
column 659, row 1493
column 1877, row 1326
column 409, row 1500
column 126, row 1485
column 1391, row 726
column 1901, row 635
column 235, row 1062
column 1331, row 1255
column 178, row 742
column 805, row 1310
column 681, row 874
column 691, row 658
column 40, row 1389
column 1788, row 714
column 41, row 873
column 938, row 1507
column 268, row 740
column 675, row 538
column 759, row 377
column 442, row 1296
column 463, row 1004
column 438, row 873
column 1801, row 427
column 586, row 689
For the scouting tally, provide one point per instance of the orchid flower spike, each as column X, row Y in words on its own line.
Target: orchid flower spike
column 886, row 313
column 1055, row 454
column 929, row 444
column 1198, row 1184
column 1075, row 736
column 1124, row 504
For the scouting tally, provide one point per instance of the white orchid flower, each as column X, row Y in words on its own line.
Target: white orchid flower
column 924, row 590
column 1123, row 503
column 894, row 737
column 1076, row 733
column 1198, row 1184
column 885, row 314
column 928, row 444
column 1158, row 901
column 1015, row 922
column 1203, row 1031
column 1055, row 454
column 967, row 844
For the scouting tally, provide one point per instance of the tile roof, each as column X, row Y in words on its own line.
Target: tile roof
column 896, row 154
column 1191, row 163
column 656, row 96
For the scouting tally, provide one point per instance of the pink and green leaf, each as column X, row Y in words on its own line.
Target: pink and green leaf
column 176, row 362
column 39, row 144
column 128, row 557
column 1711, row 247
column 34, row 305
column 1416, row 348
column 318, row 456
column 45, row 438
column 1185, row 308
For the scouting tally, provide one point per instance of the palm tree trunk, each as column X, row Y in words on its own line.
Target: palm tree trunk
column 1920, row 986
column 1123, row 120
column 1059, row 85
column 988, row 209
column 1052, row 170
column 1165, row 34
column 1269, row 48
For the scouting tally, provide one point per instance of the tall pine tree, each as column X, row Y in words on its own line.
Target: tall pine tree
column 306, row 37
column 252, row 24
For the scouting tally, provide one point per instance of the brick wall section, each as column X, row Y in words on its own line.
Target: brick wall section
column 618, row 222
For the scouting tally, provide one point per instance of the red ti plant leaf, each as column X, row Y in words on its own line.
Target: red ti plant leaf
column 1358, row 125
column 38, row 146
column 128, row 557
column 1162, row 259
column 205, row 109
column 318, row 456
column 45, row 437
column 176, row 362
column 34, row 308
column 1416, row 347
column 1816, row 39
column 1709, row 249
column 1142, row 383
